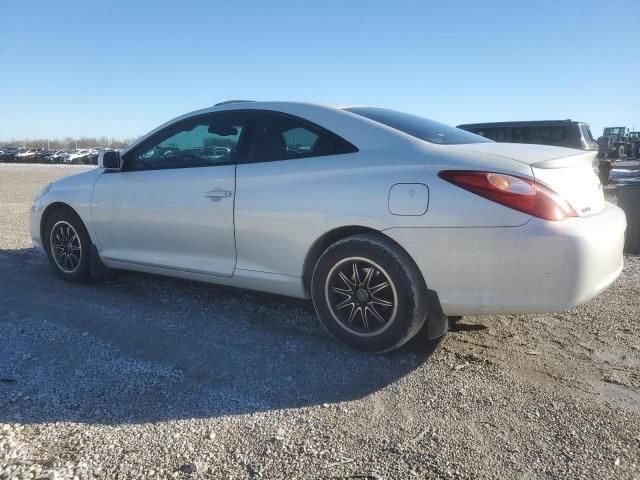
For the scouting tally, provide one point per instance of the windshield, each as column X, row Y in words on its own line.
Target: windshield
column 419, row 127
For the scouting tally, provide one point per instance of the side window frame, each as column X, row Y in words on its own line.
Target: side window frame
column 242, row 145
column 346, row 147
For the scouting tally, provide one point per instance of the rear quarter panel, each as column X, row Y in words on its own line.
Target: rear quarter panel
column 283, row 207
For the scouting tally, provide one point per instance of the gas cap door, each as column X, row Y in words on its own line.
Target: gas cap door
column 409, row 199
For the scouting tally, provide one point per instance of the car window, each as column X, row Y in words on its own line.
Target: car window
column 281, row 137
column 497, row 134
column 419, row 127
column 586, row 133
column 204, row 141
column 543, row 135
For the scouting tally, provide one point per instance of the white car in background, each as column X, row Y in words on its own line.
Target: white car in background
column 80, row 155
column 59, row 156
column 386, row 220
column 30, row 152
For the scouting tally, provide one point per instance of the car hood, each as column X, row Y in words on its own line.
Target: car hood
column 520, row 152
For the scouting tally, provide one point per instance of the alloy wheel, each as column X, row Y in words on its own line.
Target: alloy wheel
column 361, row 296
column 66, row 247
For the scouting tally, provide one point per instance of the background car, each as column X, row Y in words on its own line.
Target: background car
column 26, row 156
column 559, row 133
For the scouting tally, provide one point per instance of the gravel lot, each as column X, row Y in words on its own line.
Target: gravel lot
column 148, row 377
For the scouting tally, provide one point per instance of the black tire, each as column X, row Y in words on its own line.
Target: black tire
column 379, row 260
column 61, row 219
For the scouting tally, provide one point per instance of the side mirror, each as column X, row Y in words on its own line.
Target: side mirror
column 109, row 159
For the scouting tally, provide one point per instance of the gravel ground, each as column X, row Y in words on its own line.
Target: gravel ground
column 149, row 377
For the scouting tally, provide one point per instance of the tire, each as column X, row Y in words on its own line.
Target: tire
column 365, row 316
column 65, row 239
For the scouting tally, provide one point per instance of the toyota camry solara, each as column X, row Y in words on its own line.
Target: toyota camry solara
column 386, row 220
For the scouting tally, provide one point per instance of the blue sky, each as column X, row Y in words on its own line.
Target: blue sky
column 120, row 68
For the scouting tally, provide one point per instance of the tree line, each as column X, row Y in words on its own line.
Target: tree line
column 68, row 143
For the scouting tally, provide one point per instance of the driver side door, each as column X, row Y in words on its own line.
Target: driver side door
column 172, row 204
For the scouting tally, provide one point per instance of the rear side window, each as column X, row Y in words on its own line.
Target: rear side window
column 419, row 127
column 282, row 137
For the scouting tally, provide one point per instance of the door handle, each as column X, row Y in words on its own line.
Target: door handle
column 217, row 194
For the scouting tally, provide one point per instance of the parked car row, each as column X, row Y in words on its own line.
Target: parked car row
column 88, row 156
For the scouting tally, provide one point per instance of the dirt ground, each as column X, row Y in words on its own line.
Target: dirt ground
column 150, row 377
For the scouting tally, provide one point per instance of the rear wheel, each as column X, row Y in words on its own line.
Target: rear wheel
column 67, row 245
column 369, row 294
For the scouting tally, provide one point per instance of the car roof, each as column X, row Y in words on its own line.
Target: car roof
column 340, row 122
column 522, row 123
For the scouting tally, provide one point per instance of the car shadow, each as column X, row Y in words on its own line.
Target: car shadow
column 142, row 348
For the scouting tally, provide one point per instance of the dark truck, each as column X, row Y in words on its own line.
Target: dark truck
column 633, row 139
column 613, row 143
column 559, row 133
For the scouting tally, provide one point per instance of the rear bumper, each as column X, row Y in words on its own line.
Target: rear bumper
column 542, row 266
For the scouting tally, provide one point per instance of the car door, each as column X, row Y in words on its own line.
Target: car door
column 172, row 204
column 284, row 191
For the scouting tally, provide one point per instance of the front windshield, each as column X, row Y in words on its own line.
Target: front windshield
column 419, row 127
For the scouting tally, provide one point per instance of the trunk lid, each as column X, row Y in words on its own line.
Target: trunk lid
column 566, row 171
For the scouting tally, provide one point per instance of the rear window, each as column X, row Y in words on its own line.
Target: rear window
column 419, row 127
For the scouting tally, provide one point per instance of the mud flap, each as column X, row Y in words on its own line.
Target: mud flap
column 437, row 321
column 98, row 269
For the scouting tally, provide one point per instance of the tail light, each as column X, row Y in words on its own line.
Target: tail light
column 518, row 193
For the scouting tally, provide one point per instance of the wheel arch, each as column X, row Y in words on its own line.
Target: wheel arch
column 332, row 236
column 51, row 208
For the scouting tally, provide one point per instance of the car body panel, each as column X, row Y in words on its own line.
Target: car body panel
column 165, row 218
column 75, row 191
column 539, row 267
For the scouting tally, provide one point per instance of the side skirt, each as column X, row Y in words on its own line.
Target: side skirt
column 287, row 285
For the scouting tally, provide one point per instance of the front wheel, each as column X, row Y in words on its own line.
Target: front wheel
column 67, row 245
column 369, row 294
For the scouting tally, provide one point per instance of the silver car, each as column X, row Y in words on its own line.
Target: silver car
column 387, row 221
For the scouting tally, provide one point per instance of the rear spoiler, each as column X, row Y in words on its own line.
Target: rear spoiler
column 582, row 158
